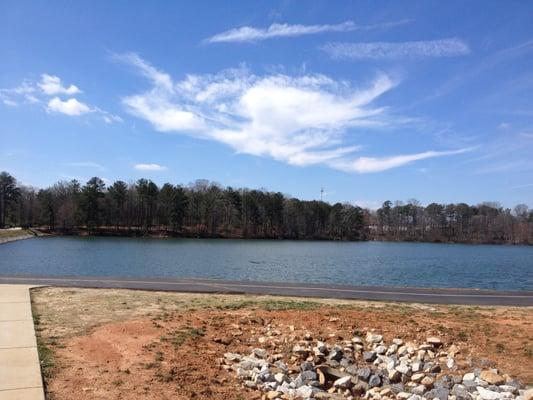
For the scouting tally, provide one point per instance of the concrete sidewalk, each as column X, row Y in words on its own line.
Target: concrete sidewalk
column 20, row 370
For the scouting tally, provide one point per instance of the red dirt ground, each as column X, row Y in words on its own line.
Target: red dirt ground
column 177, row 355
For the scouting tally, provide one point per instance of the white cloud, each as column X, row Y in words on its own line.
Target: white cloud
column 51, row 85
column 251, row 34
column 71, row 107
column 377, row 164
column 392, row 50
column 300, row 120
column 47, row 92
column 149, row 167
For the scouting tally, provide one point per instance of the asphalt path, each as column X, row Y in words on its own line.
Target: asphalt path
column 404, row 294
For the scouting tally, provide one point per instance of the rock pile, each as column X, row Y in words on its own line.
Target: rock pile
column 369, row 368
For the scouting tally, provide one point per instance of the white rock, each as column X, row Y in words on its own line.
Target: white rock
column 344, row 382
column 373, row 338
column 486, row 394
column 469, row 377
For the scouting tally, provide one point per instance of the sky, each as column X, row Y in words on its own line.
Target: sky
column 369, row 100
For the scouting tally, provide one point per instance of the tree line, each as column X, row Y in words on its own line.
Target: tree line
column 205, row 209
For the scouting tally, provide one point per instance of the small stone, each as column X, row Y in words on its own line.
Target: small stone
column 280, row 377
column 307, row 366
column 435, row 341
column 403, row 369
column 419, row 390
column 394, row 376
column 373, row 338
column 374, row 381
column 357, row 339
column 364, row 373
column 450, row 363
column 260, row 353
column 369, row 356
column 250, row 384
column 440, row 393
column 491, row 377
column 528, row 394
column 416, row 367
column 428, row 381
column 486, row 394
column 469, row 377
column 397, row 341
column 273, row 394
column 403, row 395
column 305, row 391
column 232, row 356
column 344, row 382
column 417, row 377
column 380, row 349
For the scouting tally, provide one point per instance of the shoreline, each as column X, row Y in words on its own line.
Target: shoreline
column 9, row 239
column 325, row 291
column 161, row 234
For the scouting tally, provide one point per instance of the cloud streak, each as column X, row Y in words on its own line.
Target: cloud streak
column 302, row 120
column 451, row 47
column 149, row 167
column 253, row 34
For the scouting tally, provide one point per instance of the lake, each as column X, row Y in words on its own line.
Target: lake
column 350, row 263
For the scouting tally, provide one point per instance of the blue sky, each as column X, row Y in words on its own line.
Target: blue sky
column 371, row 100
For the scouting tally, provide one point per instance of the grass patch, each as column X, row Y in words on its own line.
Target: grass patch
column 270, row 305
column 46, row 356
column 179, row 337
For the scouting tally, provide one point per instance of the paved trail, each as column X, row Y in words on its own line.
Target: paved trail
column 437, row 296
column 20, row 371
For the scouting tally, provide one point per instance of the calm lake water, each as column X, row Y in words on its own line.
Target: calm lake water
column 367, row 263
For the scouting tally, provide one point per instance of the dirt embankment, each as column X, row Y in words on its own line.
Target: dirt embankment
column 12, row 235
column 118, row 344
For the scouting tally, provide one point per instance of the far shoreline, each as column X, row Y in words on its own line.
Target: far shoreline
column 165, row 234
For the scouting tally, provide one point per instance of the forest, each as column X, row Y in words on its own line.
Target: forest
column 208, row 210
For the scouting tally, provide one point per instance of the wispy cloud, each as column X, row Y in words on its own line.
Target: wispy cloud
column 300, row 120
column 393, row 50
column 253, row 34
column 149, row 167
column 49, row 92
column 378, row 164
column 525, row 185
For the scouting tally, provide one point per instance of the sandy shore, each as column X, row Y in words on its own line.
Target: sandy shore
column 12, row 235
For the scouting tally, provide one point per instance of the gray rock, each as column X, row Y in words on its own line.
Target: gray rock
column 369, row 356
column 397, row 388
column 364, row 373
column 461, row 392
column 374, row 381
column 418, row 390
column 305, row 391
column 352, row 369
column 345, row 363
column 440, row 393
column 307, row 366
column 443, row 382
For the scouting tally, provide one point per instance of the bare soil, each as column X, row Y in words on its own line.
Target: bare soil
column 123, row 344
